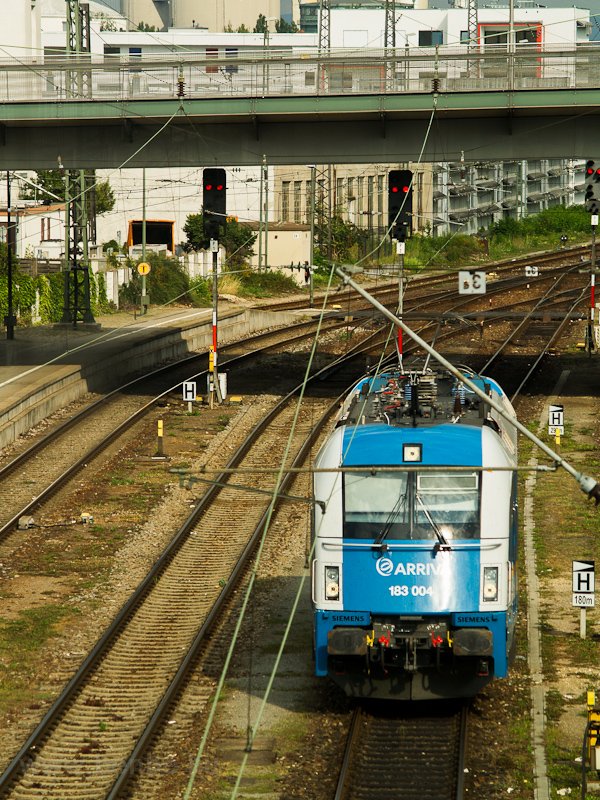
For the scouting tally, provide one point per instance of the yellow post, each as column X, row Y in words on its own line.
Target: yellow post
column 160, row 448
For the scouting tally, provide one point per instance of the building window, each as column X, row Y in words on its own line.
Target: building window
column 379, row 200
column 297, row 201
column 285, row 201
column 370, row 200
column 464, row 37
column 212, row 52
column 350, row 189
column 430, row 38
column 339, row 194
column 360, row 198
column 231, row 53
column 308, row 196
column 45, row 233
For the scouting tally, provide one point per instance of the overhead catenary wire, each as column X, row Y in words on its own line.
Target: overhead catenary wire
column 257, row 561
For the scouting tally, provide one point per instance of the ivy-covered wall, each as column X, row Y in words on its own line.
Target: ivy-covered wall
column 48, row 289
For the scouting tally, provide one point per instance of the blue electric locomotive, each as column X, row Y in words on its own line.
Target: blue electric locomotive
column 414, row 575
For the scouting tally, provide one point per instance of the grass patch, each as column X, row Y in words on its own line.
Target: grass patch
column 20, row 640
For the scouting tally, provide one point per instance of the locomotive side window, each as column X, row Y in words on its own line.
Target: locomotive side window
column 397, row 505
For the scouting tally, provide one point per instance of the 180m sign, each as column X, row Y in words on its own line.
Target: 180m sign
column 584, row 600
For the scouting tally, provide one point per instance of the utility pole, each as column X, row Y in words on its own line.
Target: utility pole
column 76, row 190
column 590, row 337
column 473, row 36
column 266, row 180
column 260, row 214
column 144, row 298
column 313, row 190
column 390, row 43
column 324, row 46
column 9, row 320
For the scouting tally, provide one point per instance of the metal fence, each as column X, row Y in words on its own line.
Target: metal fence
column 273, row 73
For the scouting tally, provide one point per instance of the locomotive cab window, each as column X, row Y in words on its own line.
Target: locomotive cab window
column 397, row 505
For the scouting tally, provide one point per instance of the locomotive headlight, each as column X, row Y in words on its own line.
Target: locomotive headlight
column 332, row 583
column 490, row 584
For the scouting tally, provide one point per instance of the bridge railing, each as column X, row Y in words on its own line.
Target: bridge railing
column 275, row 73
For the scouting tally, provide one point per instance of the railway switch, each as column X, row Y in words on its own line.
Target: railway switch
column 25, row 523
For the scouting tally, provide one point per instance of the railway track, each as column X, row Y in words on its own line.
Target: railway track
column 414, row 754
column 500, row 270
column 97, row 711
column 83, row 747
column 35, row 474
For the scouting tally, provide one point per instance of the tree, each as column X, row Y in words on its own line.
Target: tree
column 261, row 24
column 237, row 239
column 343, row 236
column 53, row 180
column 281, row 26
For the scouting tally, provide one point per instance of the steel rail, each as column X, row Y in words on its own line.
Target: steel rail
column 53, row 435
column 19, row 762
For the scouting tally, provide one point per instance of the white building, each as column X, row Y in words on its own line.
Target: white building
column 39, row 230
column 216, row 15
column 364, row 27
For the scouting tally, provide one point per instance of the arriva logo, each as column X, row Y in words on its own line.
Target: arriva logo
column 385, row 566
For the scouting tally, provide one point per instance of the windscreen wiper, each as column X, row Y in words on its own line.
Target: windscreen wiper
column 383, row 533
column 442, row 542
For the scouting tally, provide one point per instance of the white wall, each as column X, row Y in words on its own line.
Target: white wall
column 174, row 193
column 21, row 30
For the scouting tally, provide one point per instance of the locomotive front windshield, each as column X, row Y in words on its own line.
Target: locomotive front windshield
column 401, row 505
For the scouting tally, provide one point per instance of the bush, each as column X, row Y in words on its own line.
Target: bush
column 166, row 282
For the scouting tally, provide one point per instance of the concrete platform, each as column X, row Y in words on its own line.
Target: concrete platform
column 46, row 367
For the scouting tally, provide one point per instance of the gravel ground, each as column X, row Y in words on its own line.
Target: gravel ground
column 299, row 729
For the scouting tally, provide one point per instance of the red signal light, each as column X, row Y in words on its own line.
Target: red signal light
column 394, row 189
column 598, row 172
column 208, row 187
column 405, row 189
column 219, row 187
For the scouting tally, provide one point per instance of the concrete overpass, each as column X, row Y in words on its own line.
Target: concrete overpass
column 302, row 108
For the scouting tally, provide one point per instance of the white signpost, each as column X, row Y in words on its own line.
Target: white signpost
column 189, row 393
column 471, row 282
column 556, row 420
column 531, row 272
column 583, row 590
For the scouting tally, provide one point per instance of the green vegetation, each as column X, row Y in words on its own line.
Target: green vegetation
column 245, row 283
column 47, row 290
column 503, row 239
column 236, row 238
column 167, row 282
column 20, row 640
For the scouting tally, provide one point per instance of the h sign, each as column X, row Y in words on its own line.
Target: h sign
column 583, row 577
column 189, row 391
column 556, row 415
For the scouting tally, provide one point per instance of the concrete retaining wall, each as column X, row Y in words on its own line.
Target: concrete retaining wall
column 103, row 368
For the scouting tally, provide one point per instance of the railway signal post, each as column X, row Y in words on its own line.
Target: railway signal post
column 592, row 204
column 399, row 223
column 214, row 212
